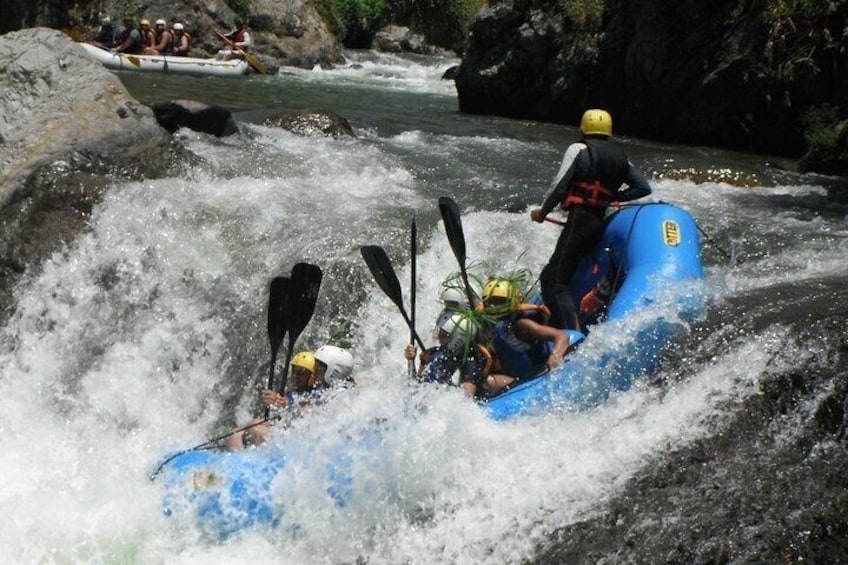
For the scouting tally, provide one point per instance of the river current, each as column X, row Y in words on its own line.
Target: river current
column 147, row 334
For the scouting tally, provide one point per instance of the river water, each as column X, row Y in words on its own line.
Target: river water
column 148, row 333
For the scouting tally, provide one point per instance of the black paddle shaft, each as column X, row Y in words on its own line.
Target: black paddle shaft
column 303, row 287
column 456, row 238
column 384, row 274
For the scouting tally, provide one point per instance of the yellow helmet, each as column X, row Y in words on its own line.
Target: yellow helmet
column 144, row 22
column 596, row 122
column 305, row 360
column 501, row 289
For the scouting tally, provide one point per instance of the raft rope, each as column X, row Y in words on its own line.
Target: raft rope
column 711, row 240
column 210, row 444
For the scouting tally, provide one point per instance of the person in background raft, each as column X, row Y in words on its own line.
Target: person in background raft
column 130, row 39
column 590, row 177
column 163, row 41
column 148, row 38
column 316, row 377
column 240, row 38
column 107, row 35
column 181, row 42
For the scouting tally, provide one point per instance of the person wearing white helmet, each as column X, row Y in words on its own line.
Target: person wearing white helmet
column 458, row 359
column 181, row 41
column 453, row 301
column 337, row 365
column 589, row 180
column 163, row 41
column 314, row 380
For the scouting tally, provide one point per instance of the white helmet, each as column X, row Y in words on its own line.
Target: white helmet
column 462, row 330
column 454, row 295
column 178, row 26
column 339, row 362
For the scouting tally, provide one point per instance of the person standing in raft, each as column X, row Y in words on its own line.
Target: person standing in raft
column 590, row 178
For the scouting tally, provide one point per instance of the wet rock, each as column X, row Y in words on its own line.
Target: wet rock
column 194, row 115
column 451, row 73
column 688, row 72
column 309, row 122
column 66, row 122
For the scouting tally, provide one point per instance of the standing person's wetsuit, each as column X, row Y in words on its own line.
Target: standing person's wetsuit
column 590, row 178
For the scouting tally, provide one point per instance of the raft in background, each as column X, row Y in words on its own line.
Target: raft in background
column 165, row 64
column 652, row 249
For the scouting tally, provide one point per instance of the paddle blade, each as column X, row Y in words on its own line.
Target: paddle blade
column 304, row 284
column 276, row 312
column 383, row 272
column 453, row 227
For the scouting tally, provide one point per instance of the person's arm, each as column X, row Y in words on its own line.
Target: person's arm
column 273, row 398
column 572, row 160
column 181, row 48
column 637, row 185
column 541, row 332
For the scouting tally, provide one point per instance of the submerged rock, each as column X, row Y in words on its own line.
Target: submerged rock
column 195, row 115
column 309, row 122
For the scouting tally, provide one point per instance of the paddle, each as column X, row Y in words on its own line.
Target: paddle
column 276, row 323
column 382, row 271
column 299, row 304
column 413, row 252
column 453, row 228
column 251, row 60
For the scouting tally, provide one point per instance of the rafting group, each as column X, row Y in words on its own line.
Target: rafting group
column 159, row 40
column 489, row 339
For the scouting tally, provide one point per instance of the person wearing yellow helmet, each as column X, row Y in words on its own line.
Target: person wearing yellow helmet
column 524, row 344
column 308, row 387
column 148, row 38
column 589, row 180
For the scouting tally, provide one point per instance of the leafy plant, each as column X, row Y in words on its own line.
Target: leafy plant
column 819, row 128
column 585, row 13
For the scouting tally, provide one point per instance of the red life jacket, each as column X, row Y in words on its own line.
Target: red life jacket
column 599, row 187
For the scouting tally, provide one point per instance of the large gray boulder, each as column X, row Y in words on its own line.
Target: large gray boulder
column 67, row 125
column 61, row 109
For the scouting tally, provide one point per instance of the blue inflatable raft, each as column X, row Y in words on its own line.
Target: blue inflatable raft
column 652, row 254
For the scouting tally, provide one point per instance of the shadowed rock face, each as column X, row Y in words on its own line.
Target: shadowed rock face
column 715, row 73
column 65, row 124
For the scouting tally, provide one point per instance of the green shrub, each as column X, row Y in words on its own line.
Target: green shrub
column 819, row 128
column 587, row 14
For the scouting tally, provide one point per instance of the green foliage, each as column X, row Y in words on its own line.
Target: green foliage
column 353, row 21
column 585, row 13
column 819, row 126
column 782, row 9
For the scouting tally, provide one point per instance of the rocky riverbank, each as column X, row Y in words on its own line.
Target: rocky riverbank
column 67, row 126
column 736, row 75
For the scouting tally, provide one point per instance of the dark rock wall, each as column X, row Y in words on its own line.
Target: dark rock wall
column 717, row 73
